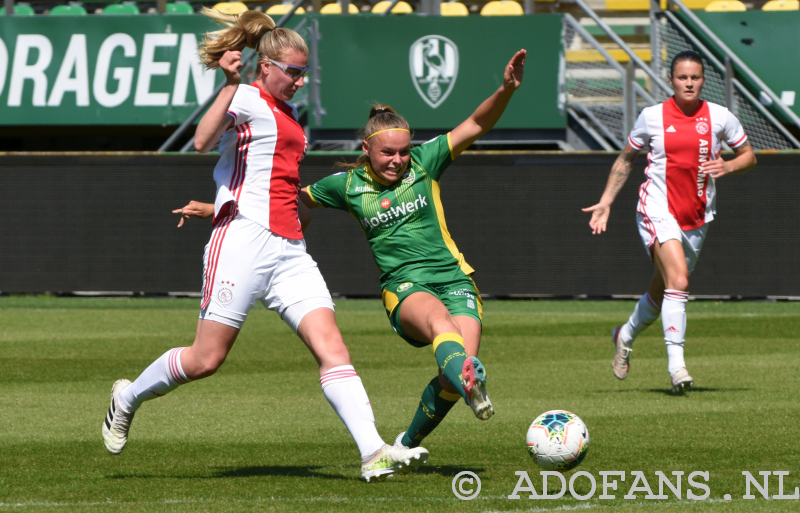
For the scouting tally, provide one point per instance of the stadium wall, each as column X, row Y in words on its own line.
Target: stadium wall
column 103, row 222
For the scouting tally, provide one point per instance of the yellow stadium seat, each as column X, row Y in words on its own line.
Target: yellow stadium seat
column 697, row 5
column 399, row 8
column 725, row 6
column 454, row 9
column 632, row 5
column 230, row 7
column 281, row 9
column 336, row 8
column 502, row 8
column 781, row 5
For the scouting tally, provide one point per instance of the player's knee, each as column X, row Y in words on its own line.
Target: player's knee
column 208, row 366
column 680, row 282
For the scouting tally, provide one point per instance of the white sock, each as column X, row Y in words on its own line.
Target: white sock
column 161, row 377
column 343, row 389
column 644, row 314
column 673, row 316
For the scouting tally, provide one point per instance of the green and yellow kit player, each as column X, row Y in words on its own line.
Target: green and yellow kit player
column 393, row 192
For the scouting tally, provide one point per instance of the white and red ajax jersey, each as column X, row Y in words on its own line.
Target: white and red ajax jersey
column 258, row 169
column 679, row 144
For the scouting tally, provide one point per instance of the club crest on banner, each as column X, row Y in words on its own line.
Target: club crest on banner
column 434, row 68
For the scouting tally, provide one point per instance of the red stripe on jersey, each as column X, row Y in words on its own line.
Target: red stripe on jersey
column 284, row 185
column 741, row 141
column 213, row 256
column 687, row 146
column 235, row 117
column 633, row 144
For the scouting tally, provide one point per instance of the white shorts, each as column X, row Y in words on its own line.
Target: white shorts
column 245, row 262
column 667, row 228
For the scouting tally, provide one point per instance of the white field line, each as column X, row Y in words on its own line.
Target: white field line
column 594, row 504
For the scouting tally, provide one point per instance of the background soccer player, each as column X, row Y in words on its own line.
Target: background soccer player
column 676, row 203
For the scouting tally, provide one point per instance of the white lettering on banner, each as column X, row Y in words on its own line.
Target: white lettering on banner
column 123, row 76
column 203, row 79
column 75, row 59
column 3, row 64
column 22, row 71
column 148, row 67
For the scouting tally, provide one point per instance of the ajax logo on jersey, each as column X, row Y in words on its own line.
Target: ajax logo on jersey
column 702, row 128
column 434, row 68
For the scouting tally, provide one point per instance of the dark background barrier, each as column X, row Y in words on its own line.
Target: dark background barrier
column 104, row 223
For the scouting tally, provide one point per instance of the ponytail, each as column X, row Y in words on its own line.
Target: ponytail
column 250, row 29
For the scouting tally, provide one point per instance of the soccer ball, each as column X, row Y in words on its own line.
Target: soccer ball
column 558, row 440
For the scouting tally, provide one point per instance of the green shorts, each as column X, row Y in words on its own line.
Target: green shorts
column 460, row 297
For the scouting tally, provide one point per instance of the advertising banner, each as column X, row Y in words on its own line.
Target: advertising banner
column 437, row 70
column 103, row 70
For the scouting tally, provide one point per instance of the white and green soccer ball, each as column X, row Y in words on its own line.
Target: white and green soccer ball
column 558, row 440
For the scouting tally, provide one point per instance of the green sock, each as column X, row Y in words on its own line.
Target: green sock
column 434, row 405
column 450, row 356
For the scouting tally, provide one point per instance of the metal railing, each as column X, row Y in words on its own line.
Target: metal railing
column 670, row 36
column 201, row 108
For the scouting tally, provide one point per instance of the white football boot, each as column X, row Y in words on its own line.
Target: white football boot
column 681, row 381
column 117, row 421
column 392, row 459
column 622, row 356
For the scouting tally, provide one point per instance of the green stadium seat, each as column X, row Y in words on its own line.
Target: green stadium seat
column 179, row 8
column 68, row 10
column 121, row 9
column 20, row 10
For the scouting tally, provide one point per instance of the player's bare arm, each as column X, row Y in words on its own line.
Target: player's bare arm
column 194, row 209
column 744, row 161
column 487, row 114
column 216, row 119
column 616, row 179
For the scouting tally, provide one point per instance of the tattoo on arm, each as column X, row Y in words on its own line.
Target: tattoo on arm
column 620, row 171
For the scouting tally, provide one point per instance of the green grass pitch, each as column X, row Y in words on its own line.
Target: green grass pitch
column 260, row 436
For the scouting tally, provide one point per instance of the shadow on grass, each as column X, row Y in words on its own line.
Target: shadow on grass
column 445, row 470
column 265, row 471
column 695, row 390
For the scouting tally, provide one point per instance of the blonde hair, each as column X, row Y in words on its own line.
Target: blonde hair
column 381, row 118
column 250, row 29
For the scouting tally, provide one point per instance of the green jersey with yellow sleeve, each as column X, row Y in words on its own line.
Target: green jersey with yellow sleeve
column 403, row 221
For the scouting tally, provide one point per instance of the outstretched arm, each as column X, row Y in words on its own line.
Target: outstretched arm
column 616, row 179
column 194, row 209
column 487, row 114
column 216, row 120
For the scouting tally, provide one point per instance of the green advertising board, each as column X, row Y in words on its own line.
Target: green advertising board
column 103, row 70
column 437, row 70
column 144, row 70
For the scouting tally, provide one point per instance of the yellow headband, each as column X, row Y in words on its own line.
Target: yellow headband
column 382, row 131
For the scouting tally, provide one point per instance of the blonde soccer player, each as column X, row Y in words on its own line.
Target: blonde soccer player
column 257, row 251
column 676, row 203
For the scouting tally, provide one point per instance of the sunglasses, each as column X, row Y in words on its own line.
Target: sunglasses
column 293, row 72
